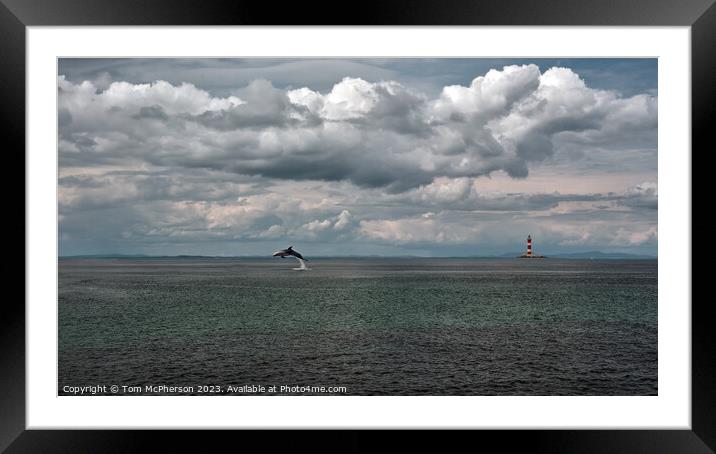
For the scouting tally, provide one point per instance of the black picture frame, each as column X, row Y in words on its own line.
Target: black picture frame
column 16, row 15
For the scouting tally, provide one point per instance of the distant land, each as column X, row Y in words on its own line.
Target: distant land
column 589, row 255
column 574, row 255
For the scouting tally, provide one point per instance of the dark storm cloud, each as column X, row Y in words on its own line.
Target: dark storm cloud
column 263, row 106
column 64, row 118
column 155, row 112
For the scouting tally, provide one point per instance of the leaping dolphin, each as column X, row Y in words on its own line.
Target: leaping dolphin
column 283, row 253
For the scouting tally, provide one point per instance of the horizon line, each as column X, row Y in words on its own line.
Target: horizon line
column 505, row 255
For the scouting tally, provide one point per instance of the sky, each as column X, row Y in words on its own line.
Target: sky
column 427, row 157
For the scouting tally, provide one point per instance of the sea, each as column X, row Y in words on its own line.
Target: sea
column 357, row 326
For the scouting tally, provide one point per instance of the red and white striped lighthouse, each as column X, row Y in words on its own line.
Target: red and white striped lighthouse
column 529, row 246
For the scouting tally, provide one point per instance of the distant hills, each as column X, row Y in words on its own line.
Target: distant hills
column 590, row 255
column 139, row 256
column 603, row 255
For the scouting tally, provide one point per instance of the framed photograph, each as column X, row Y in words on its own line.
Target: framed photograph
column 456, row 218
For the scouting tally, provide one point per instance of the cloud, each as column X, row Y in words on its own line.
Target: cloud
column 373, row 134
column 373, row 164
column 155, row 111
column 334, row 227
column 201, row 206
column 261, row 105
column 124, row 96
column 630, row 237
column 487, row 96
column 644, row 195
column 464, row 194
column 426, row 229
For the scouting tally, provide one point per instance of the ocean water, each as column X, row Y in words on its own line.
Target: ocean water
column 368, row 326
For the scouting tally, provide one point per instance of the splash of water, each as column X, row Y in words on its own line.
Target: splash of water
column 303, row 266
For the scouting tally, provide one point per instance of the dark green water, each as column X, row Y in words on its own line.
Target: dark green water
column 375, row 326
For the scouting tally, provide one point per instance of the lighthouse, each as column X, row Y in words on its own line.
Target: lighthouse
column 529, row 254
column 529, row 246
